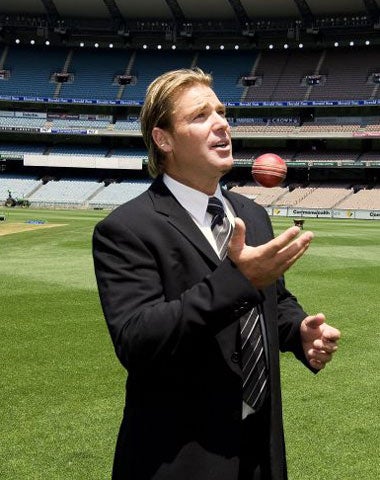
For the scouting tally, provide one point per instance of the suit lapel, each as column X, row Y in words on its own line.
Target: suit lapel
column 166, row 204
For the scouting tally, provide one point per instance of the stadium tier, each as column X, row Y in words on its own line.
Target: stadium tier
column 93, row 193
column 239, row 76
column 17, row 186
column 79, row 114
column 110, row 196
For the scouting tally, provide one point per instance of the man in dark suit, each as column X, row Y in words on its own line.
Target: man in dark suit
column 174, row 303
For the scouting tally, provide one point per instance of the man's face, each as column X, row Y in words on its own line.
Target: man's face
column 198, row 147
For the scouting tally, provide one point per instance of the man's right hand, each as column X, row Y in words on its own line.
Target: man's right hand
column 264, row 264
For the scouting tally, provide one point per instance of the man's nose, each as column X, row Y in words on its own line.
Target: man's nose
column 220, row 121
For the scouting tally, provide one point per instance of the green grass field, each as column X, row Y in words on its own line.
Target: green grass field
column 62, row 389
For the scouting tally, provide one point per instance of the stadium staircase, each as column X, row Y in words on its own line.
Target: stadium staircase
column 128, row 71
column 316, row 72
column 65, row 69
column 3, row 57
column 94, row 194
column 252, row 73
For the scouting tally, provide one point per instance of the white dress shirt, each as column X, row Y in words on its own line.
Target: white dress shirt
column 195, row 203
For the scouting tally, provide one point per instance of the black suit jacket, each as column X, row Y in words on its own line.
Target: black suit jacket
column 172, row 309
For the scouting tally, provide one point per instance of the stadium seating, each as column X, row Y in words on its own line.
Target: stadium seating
column 22, row 122
column 79, row 124
column 289, row 85
column 148, row 65
column 346, row 73
column 281, row 74
column 127, row 125
column 325, row 196
column 94, row 74
column 261, row 195
column 330, row 156
column 364, row 199
column 66, row 192
column 31, row 77
column 80, row 150
column 371, row 156
column 227, row 68
column 294, row 197
column 129, row 152
column 116, row 193
column 20, row 186
column 19, row 149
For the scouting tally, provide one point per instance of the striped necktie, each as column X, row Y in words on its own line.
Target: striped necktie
column 254, row 368
column 220, row 225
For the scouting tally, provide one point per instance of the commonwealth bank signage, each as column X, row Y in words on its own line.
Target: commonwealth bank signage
column 323, row 213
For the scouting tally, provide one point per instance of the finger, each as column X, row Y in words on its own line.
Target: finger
column 319, row 355
column 330, row 334
column 278, row 243
column 291, row 252
column 315, row 321
column 287, row 258
column 325, row 346
column 317, row 364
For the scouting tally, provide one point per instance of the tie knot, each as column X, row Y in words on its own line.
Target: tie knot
column 215, row 208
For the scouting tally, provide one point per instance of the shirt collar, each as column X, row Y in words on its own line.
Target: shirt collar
column 192, row 200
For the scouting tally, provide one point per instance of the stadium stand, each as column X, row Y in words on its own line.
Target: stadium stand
column 347, row 74
column 325, row 196
column 19, row 149
column 12, row 121
column 261, row 195
column 79, row 124
column 239, row 76
column 368, row 157
column 147, row 66
column 93, row 75
column 330, row 156
column 295, row 196
column 20, row 186
column 66, row 192
column 31, row 77
column 227, row 69
column 116, row 193
column 129, row 152
column 127, row 125
column 290, row 85
column 364, row 199
column 78, row 150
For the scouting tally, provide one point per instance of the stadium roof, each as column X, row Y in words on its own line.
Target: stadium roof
column 189, row 9
column 175, row 20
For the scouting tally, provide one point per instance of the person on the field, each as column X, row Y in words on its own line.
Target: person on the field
column 175, row 285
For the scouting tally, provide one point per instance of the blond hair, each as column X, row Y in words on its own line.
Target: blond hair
column 158, row 108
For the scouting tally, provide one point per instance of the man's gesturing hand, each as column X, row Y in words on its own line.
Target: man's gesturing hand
column 319, row 340
column 264, row 264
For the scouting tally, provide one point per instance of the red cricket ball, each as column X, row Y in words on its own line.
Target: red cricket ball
column 269, row 170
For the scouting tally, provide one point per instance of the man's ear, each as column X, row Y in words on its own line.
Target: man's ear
column 161, row 139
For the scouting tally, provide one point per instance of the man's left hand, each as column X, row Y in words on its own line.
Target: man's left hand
column 319, row 340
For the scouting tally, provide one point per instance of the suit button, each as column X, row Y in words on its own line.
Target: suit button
column 235, row 357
